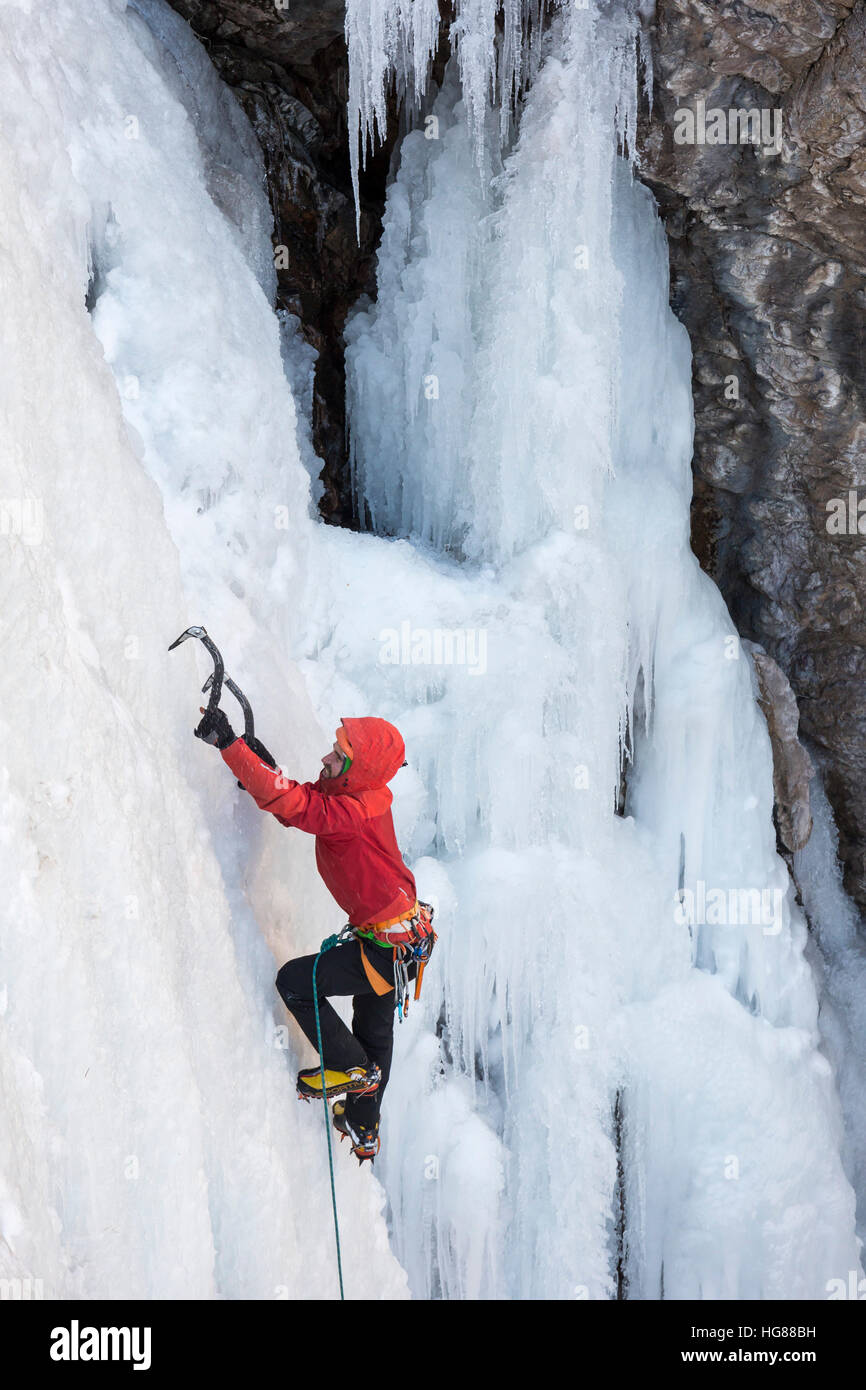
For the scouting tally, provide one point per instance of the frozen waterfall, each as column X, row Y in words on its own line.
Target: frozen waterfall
column 612, row 1085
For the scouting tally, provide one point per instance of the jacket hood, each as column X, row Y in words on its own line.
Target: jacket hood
column 377, row 753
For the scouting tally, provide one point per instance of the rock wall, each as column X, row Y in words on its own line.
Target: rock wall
column 768, row 259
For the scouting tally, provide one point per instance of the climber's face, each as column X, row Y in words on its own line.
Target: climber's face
column 332, row 763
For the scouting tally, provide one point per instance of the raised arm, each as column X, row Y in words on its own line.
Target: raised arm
column 297, row 804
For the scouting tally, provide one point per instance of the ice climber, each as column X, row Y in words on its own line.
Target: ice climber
column 389, row 936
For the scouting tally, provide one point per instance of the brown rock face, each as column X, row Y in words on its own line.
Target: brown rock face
column 287, row 65
column 285, row 31
column 792, row 766
column 768, row 273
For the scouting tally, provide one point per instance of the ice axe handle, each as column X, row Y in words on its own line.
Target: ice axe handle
column 256, row 746
column 259, row 748
column 249, row 725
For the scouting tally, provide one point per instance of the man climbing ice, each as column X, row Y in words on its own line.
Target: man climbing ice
column 389, row 937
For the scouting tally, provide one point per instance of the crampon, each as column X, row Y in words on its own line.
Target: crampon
column 365, row 1142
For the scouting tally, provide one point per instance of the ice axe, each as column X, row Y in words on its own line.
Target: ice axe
column 216, row 680
column 214, row 684
column 249, row 724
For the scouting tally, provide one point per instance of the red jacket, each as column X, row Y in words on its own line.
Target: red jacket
column 350, row 816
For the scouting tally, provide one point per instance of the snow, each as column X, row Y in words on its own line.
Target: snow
column 523, row 605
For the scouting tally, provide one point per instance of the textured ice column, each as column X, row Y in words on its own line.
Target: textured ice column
column 409, row 398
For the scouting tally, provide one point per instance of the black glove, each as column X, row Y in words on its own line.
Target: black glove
column 215, row 729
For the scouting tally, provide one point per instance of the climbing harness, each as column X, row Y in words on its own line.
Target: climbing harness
column 412, row 938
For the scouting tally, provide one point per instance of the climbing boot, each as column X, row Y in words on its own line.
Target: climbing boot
column 365, row 1142
column 359, row 1081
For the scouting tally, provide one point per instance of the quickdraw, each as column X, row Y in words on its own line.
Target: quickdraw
column 418, row 948
column 411, row 939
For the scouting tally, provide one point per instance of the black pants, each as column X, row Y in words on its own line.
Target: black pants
column 340, row 971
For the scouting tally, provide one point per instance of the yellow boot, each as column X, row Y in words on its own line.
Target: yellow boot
column 361, row 1081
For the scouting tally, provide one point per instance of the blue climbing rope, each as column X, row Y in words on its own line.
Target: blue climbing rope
column 326, row 946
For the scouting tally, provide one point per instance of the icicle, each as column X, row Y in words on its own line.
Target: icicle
column 391, row 44
column 388, row 41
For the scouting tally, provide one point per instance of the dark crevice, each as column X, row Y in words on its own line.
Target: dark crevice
column 92, row 292
column 288, row 68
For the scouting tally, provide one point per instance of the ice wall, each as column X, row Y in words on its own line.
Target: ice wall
column 519, row 401
column 151, row 1142
column 840, row 964
column 585, row 1061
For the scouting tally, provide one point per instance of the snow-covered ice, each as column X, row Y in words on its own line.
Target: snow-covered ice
column 152, row 1144
column 598, row 1089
